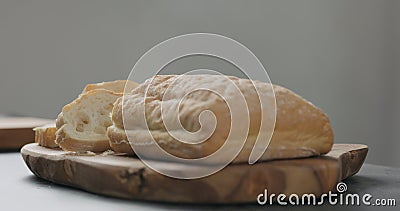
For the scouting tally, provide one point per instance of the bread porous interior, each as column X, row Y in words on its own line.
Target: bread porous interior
column 90, row 118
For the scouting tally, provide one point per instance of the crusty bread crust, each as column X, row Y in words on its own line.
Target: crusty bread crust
column 118, row 140
column 45, row 136
column 67, row 143
column 119, row 143
column 118, row 86
column 301, row 129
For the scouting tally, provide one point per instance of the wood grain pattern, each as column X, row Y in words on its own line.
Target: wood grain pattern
column 15, row 132
column 129, row 178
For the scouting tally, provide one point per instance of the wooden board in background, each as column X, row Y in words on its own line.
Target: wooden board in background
column 127, row 177
column 15, row 132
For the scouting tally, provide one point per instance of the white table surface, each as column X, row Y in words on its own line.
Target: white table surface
column 21, row 190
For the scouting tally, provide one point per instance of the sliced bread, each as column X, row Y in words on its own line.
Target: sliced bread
column 83, row 123
column 118, row 87
column 45, row 135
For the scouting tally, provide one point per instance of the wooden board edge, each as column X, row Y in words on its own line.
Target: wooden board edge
column 136, row 179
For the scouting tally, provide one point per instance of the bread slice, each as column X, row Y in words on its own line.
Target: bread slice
column 301, row 129
column 45, row 135
column 83, row 123
column 118, row 86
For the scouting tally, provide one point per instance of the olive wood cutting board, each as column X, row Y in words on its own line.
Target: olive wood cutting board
column 128, row 177
column 15, row 132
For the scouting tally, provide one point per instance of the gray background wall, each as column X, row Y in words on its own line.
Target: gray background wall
column 342, row 55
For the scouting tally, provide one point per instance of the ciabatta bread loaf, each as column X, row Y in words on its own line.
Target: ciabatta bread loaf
column 83, row 123
column 45, row 135
column 301, row 128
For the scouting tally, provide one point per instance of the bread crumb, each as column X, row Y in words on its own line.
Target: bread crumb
column 108, row 152
column 87, row 153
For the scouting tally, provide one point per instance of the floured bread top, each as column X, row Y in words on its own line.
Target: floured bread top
column 299, row 124
column 118, row 86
